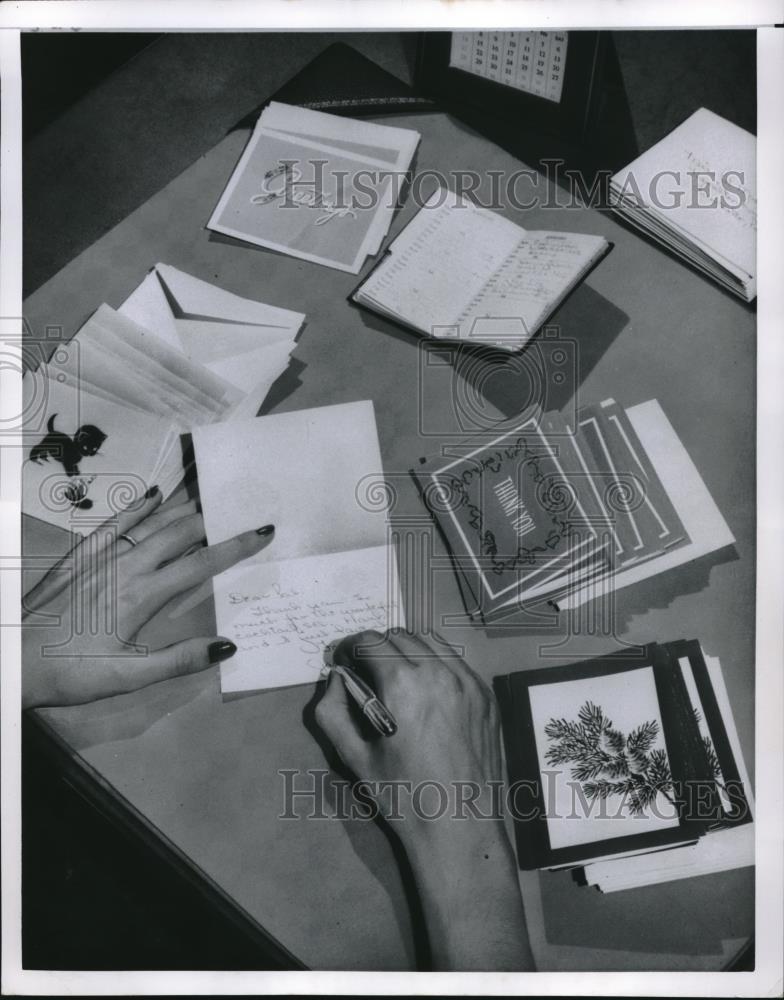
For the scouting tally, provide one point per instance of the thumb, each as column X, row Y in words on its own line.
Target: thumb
column 334, row 718
column 187, row 657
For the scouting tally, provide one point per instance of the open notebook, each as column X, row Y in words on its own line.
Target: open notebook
column 460, row 272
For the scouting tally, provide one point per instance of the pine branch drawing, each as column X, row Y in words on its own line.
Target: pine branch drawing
column 606, row 762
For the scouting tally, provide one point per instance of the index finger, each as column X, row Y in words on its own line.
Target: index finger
column 373, row 657
column 190, row 571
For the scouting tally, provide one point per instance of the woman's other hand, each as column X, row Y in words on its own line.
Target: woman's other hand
column 80, row 622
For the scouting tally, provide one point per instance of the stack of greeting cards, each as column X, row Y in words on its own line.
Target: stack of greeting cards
column 628, row 765
column 105, row 414
column 695, row 192
column 565, row 511
column 316, row 186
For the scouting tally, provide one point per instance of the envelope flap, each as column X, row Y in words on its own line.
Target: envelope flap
column 148, row 306
column 247, row 370
column 205, row 340
column 192, row 298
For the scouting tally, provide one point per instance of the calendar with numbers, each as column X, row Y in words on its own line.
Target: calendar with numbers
column 552, row 80
column 530, row 61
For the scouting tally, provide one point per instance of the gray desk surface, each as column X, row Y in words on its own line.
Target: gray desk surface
column 202, row 773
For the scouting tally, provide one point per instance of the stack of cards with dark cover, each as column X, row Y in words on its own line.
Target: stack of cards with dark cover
column 106, row 414
column 628, row 765
column 564, row 512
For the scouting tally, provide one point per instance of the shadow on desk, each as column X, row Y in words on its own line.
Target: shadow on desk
column 654, row 593
column 360, row 833
column 570, row 914
column 548, row 372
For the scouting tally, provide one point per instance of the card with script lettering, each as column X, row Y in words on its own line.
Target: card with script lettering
column 550, row 512
column 505, row 512
column 316, row 186
column 329, row 570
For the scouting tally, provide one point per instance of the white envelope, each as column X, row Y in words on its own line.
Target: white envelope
column 230, row 335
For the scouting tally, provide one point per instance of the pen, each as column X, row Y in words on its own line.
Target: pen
column 372, row 707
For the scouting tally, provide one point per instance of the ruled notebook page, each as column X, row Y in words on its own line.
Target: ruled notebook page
column 439, row 263
column 531, row 280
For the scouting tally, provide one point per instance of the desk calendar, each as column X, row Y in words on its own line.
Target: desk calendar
column 551, row 80
column 531, row 61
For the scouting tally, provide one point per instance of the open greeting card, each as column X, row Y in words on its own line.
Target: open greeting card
column 618, row 757
column 566, row 512
column 316, row 186
column 106, row 413
column 329, row 571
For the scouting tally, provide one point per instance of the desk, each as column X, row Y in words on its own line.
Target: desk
column 200, row 774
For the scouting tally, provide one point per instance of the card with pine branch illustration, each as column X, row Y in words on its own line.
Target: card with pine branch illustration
column 604, row 758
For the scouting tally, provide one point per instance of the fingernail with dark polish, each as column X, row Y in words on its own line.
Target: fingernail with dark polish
column 153, row 491
column 268, row 529
column 221, row 650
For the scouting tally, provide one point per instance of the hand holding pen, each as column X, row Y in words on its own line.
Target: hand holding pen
column 374, row 710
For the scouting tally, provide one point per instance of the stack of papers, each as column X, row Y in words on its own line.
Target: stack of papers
column 106, row 413
column 316, row 186
column 569, row 511
column 695, row 192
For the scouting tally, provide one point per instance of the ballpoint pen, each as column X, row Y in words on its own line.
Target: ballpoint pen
column 366, row 698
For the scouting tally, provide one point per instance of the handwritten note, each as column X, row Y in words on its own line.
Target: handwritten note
column 329, row 570
column 283, row 615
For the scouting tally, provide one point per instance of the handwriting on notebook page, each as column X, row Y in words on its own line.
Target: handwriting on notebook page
column 431, row 278
column 532, row 279
column 457, row 263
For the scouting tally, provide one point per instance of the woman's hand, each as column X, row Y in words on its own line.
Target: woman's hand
column 447, row 745
column 81, row 620
column 448, row 730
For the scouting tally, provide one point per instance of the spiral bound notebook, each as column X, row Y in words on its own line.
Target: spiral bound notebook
column 461, row 272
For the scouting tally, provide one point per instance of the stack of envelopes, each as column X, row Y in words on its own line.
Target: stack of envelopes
column 567, row 510
column 106, row 414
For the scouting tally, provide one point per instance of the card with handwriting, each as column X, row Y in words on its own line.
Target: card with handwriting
column 329, row 571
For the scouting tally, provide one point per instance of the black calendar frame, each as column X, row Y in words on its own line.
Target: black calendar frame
column 572, row 119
